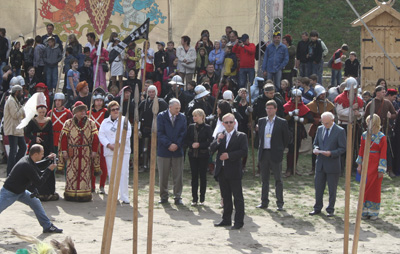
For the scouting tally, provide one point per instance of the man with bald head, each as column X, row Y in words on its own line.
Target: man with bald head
column 329, row 145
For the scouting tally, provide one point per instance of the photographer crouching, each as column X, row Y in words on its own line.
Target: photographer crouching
column 24, row 174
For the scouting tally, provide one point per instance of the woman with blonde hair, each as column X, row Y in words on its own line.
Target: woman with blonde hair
column 376, row 168
column 198, row 139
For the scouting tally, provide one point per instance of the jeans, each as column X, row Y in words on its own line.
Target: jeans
column 1, row 72
column 51, row 77
column 303, row 67
column 7, row 198
column 320, row 71
column 276, row 77
column 246, row 74
column 336, row 78
column 17, row 72
column 17, row 151
column 312, row 68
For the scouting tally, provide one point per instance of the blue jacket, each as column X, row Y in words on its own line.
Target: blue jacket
column 275, row 58
column 168, row 134
column 220, row 55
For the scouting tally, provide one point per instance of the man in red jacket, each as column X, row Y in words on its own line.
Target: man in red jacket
column 246, row 52
column 337, row 58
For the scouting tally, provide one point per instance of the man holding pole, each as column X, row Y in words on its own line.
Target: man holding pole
column 329, row 145
column 171, row 131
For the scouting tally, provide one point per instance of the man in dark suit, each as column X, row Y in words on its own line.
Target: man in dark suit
column 231, row 146
column 329, row 145
column 171, row 131
column 274, row 137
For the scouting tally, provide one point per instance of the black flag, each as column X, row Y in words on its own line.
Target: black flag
column 141, row 32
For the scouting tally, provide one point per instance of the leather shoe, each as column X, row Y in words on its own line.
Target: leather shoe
column 262, row 206
column 236, row 227
column 279, row 209
column 314, row 213
column 330, row 215
column 163, row 201
column 178, row 201
column 223, row 224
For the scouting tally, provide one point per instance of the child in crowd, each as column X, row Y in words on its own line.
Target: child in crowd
column 72, row 81
column 201, row 62
column 16, row 58
column 307, row 93
column 86, row 72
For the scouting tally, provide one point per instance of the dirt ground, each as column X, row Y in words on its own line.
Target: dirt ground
column 189, row 229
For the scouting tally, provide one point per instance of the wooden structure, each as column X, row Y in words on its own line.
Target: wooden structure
column 384, row 22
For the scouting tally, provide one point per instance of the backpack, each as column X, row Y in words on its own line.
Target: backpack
column 28, row 55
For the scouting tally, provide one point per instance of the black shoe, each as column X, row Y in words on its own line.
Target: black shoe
column 223, row 224
column 330, row 215
column 262, row 206
column 314, row 213
column 52, row 229
column 236, row 227
column 178, row 201
column 163, row 201
column 280, row 209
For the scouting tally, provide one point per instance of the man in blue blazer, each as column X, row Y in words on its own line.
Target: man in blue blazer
column 231, row 146
column 329, row 145
column 274, row 138
column 171, row 132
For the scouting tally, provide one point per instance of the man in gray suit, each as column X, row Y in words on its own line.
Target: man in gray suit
column 329, row 145
column 274, row 137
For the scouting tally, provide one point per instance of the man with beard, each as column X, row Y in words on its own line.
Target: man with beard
column 319, row 105
column 259, row 104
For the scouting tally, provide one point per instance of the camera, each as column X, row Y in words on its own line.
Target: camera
column 240, row 41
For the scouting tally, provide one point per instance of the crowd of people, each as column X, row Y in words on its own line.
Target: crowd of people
column 207, row 95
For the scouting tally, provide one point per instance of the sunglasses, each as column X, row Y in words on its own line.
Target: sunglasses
column 114, row 109
column 229, row 122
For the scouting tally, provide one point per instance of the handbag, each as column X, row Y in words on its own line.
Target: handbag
column 105, row 67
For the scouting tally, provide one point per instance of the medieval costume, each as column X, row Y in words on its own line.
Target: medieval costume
column 302, row 116
column 376, row 164
column 79, row 140
column 318, row 106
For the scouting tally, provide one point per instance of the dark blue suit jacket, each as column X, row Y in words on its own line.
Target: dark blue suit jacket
column 168, row 134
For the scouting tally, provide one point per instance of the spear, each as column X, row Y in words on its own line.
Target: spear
column 295, row 137
column 364, row 172
column 252, row 131
column 349, row 160
column 136, row 170
column 152, row 176
column 112, row 183
column 99, row 49
column 145, row 62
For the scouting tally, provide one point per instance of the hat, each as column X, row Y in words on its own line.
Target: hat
column 227, row 95
column 296, row 92
column 318, row 90
column 277, row 33
column 200, row 92
column 81, row 85
column 391, row 91
column 269, row 87
column 41, row 100
column 244, row 37
column 161, row 43
column 351, row 82
column 59, row 96
column 98, row 96
column 16, row 88
column 176, row 80
column 50, row 38
column 18, row 80
column 41, row 85
column 79, row 106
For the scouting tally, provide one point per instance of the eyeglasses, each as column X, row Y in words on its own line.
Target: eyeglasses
column 229, row 122
column 114, row 109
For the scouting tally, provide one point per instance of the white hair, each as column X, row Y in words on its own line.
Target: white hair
column 174, row 101
column 152, row 88
column 328, row 114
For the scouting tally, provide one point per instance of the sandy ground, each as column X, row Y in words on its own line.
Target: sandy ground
column 190, row 229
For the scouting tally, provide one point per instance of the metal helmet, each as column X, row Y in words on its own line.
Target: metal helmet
column 18, row 80
column 98, row 96
column 200, row 91
column 59, row 96
column 319, row 90
column 351, row 82
column 176, row 80
column 296, row 92
column 227, row 95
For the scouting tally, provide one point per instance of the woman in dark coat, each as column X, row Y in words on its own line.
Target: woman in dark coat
column 198, row 139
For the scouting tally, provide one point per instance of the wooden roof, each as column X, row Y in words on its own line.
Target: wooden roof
column 375, row 12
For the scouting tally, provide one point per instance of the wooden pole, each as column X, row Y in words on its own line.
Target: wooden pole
column 145, row 61
column 349, row 163
column 153, row 158
column 169, row 21
column 364, row 172
column 111, row 184
column 136, row 171
column 252, row 131
column 295, row 138
column 58, row 80
column 95, row 74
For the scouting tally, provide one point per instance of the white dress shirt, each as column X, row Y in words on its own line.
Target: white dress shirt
column 269, row 127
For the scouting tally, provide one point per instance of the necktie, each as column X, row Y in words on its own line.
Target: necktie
column 325, row 136
column 173, row 120
column 228, row 138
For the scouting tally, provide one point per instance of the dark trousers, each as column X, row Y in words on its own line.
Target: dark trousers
column 228, row 188
column 290, row 161
column 320, row 182
column 198, row 166
column 266, row 165
column 17, row 151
